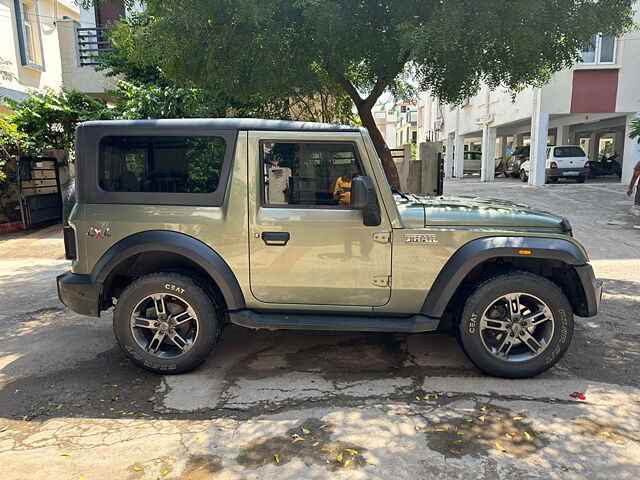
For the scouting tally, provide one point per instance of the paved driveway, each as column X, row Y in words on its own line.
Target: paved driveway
column 307, row 405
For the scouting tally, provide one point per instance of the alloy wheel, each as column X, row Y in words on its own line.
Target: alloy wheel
column 517, row 327
column 164, row 325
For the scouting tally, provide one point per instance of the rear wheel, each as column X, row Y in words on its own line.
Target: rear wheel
column 166, row 323
column 580, row 179
column 516, row 325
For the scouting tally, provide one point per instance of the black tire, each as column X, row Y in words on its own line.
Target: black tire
column 178, row 290
column 580, row 179
column 474, row 340
column 523, row 176
column 514, row 174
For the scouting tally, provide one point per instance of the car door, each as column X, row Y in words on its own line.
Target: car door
column 307, row 245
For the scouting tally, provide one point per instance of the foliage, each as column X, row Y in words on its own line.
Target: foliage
column 255, row 51
column 47, row 120
column 634, row 129
column 157, row 101
column 144, row 76
column 5, row 74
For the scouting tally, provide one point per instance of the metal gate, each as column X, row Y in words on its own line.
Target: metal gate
column 39, row 186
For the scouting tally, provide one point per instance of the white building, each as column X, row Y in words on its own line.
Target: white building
column 590, row 104
column 50, row 43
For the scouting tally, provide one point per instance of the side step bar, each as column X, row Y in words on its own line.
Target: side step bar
column 282, row 321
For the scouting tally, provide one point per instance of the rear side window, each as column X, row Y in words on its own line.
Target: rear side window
column 164, row 164
column 564, row 152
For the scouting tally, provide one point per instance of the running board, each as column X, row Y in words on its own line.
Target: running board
column 282, row 321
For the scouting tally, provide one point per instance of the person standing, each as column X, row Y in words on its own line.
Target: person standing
column 632, row 184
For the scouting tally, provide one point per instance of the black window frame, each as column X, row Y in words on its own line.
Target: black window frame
column 88, row 175
column 263, row 203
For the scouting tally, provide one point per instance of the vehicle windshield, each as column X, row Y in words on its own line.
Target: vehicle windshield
column 564, row 152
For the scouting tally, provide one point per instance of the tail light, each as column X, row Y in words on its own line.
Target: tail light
column 553, row 165
column 587, row 164
column 69, row 243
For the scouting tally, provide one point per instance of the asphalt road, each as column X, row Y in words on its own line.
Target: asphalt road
column 309, row 405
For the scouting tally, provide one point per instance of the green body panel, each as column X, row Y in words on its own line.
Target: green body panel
column 332, row 261
column 223, row 228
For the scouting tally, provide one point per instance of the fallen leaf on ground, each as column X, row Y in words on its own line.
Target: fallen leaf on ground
column 346, row 464
column 306, row 431
column 457, row 452
column 517, row 418
column 165, row 473
column 456, row 441
column 500, row 447
column 351, row 451
column 276, row 457
column 298, row 439
column 482, row 418
column 527, row 436
column 325, row 450
column 339, row 457
column 315, row 444
column 137, row 468
column 65, row 454
column 498, row 454
column 460, row 433
column 322, row 427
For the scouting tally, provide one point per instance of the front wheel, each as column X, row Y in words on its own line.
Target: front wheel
column 523, row 176
column 516, row 325
column 166, row 323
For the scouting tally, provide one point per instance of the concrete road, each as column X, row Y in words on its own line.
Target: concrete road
column 308, row 405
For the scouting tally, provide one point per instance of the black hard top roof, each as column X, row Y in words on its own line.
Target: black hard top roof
column 221, row 124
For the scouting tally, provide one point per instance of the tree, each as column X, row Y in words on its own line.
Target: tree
column 147, row 93
column 255, row 50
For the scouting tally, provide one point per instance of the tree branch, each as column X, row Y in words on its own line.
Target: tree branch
column 349, row 88
column 383, row 81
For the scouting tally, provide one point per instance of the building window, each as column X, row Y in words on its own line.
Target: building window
column 29, row 33
column 601, row 49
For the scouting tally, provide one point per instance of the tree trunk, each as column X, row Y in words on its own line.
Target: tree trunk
column 381, row 146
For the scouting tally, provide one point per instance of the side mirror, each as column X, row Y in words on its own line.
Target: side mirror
column 363, row 197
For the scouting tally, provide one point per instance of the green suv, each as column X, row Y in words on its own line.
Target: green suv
column 187, row 225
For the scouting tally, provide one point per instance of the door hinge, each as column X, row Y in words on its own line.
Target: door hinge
column 382, row 281
column 382, row 236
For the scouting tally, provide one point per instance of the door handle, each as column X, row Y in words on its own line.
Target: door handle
column 278, row 239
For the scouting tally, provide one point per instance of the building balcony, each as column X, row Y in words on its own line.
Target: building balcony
column 78, row 48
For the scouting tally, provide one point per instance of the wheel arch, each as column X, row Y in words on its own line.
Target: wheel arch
column 161, row 250
column 555, row 259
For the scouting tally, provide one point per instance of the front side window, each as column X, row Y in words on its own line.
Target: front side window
column 167, row 164
column 308, row 174
column 29, row 33
column 601, row 49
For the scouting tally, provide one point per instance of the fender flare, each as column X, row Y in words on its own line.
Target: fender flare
column 482, row 249
column 178, row 243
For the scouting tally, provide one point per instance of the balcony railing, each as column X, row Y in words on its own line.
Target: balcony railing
column 91, row 41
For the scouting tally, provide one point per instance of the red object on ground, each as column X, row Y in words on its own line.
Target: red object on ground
column 577, row 395
column 11, row 227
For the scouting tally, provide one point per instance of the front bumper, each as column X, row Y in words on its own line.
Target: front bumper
column 79, row 293
column 567, row 172
column 592, row 288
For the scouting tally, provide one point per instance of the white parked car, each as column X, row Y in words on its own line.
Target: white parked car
column 563, row 161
